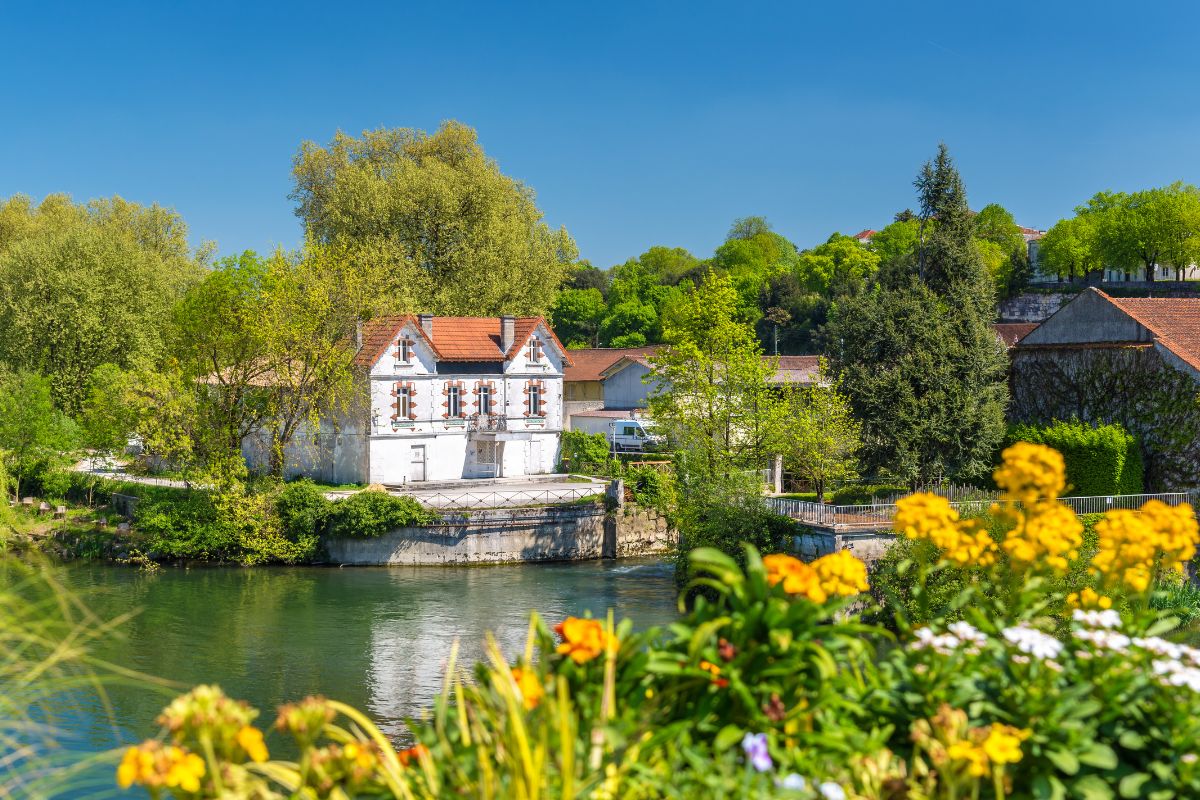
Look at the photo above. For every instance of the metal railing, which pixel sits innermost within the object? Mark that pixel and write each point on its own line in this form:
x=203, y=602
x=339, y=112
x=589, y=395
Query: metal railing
x=456, y=501
x=879, y=515
x=487, y=422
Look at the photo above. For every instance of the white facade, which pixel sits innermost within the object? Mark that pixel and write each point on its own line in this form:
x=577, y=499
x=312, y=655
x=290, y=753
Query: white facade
x=431, y=443
x=427, y=418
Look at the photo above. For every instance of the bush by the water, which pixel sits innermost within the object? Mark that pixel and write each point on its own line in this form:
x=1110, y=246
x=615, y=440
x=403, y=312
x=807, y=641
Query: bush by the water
x=584, y=452
x=1056, y=680
x=374, y=513
x=1101, y=460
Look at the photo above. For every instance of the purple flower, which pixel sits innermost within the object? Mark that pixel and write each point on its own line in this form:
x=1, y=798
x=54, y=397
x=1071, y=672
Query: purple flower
x=755, y=745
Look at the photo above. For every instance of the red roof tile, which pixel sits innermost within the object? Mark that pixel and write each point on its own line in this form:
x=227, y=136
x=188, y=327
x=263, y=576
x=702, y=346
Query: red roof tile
x=589, y=362
x=866, y=233
x=1174, y=321
x=453, y=339
x=797, y=370
x=1012, y=332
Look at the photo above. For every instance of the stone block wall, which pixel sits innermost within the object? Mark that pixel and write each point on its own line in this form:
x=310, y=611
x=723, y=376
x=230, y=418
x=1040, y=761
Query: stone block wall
x=810, y=544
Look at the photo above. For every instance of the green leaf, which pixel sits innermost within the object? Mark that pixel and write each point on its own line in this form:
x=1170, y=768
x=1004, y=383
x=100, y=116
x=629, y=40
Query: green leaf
x=1092, y=787
x=728, y=737
x=1131, y=785
x=1100, y=756
x=1132, y=740
x=1047, y=787
x=1065, y=760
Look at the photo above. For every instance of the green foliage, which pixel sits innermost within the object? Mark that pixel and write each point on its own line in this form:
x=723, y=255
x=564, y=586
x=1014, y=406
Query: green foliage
x=651, y=487
x=839, y=266
x=1101, y=459
x=35, y=438
x=1140, y=230
x=303, y=510
x=1068, y=250
x=727, y=524
x=586, y=452
x=85, y=285
x=820, y=437
x=922, y=369
x=371, y=513
x=433, y=221
x=577, y=315
x=861, y=494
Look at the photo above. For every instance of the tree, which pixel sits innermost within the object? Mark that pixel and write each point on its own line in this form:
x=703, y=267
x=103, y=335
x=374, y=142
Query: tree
x=84, y=285
x=35, y=437
x=1138, y=230
x=821, y=436
x=433, y=220
x=1002, y=247
x=948, y=260
x=106, y=423
x=576, y=316
x=839, y=266
x=1068, y=249
x=919, y=364
x=751, y=256
x=585, y=276
x=1181, y=246
x=896, y=245
x=714, y=402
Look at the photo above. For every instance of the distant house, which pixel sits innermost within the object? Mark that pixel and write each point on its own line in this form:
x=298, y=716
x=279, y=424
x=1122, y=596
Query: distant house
x=864, y=236
x=443, y=398
x=583, y=378
x=1011, y=333
x=1105, y=359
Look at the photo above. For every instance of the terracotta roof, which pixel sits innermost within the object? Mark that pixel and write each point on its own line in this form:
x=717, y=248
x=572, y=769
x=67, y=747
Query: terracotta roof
x=791, y=369
x=1012, y=332
x=797, y=369
x=1174, y=321
x=865, y=233
x=454, y=338
x=589, y=362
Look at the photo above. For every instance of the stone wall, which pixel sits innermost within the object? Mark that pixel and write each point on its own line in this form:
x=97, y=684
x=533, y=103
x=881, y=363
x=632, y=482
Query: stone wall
x=1032, y=307
x=811, y=544
x=554, y=533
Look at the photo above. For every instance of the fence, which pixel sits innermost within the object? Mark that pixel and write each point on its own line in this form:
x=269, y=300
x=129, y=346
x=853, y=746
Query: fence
x=880, y=515
x=514, y=498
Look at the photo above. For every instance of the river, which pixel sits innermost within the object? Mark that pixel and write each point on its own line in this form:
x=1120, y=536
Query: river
x=377, y=638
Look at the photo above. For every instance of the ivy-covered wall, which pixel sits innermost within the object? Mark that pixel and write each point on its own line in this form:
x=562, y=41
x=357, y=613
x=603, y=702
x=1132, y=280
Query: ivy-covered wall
x=1129, y=385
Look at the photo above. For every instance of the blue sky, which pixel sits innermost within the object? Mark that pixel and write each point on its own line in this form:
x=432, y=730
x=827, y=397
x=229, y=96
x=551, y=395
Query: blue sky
x=637, y=124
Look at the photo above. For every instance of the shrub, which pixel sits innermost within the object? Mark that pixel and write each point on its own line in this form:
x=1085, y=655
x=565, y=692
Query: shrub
x=303, y=510
x=1101, y=460
x=373, y=513
x=585, y=452
x=865, y=494
x=651, y=488
x=184, y=526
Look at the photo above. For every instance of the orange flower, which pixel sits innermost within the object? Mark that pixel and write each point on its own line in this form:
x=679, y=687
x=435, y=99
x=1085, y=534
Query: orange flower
x=710, y=668
x=584, y=639
x=414, y=753
x=529, y=687
x=796, y=576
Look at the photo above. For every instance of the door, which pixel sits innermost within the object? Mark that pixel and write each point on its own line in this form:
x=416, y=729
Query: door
x=534, y=466
x=416, y=470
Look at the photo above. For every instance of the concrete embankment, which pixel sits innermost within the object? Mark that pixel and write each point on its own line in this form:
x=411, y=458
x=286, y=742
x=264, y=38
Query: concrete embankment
x=506, y=536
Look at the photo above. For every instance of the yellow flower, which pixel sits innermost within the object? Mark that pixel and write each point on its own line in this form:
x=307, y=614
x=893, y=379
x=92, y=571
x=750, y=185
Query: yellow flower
x=1176, y=529
x=973, y=756
x=250, y=739
x=710, y=668
x=1126, y=549
x=797, y=577
x=154, y=766
x=841, y=574
x=1030, y=473
x=1003, y=743
x=930, y=517
x=529, y=687
x=1088, y=598
x=360, y=755
x=584, y=639
x=1046, y=533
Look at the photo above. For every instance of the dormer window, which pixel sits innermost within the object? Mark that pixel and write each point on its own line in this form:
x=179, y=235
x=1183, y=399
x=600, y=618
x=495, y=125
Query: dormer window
x=535, y=349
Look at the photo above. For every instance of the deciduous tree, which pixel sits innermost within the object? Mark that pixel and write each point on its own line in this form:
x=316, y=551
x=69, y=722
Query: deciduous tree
x=434, y=220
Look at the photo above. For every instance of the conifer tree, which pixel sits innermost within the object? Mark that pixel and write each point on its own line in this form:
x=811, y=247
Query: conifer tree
x=923, y=371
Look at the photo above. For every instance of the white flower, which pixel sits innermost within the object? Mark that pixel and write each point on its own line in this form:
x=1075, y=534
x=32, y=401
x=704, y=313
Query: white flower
x=1106, y=640
x=1188, y=758
x=794, y=782
x=1107, y=618
x=831, y=791
x=1034, y=642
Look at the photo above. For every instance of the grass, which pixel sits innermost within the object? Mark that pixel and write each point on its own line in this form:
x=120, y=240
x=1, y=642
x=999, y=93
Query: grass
x=810, y=497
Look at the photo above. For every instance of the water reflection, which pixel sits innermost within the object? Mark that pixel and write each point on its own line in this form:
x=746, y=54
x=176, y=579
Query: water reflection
x=373, y=637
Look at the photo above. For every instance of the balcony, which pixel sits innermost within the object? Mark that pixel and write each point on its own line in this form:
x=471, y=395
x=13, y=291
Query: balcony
x=487, y=423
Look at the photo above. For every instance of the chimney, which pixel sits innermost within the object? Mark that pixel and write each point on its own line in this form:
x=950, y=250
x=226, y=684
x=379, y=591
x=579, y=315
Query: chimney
x=358, y=342
x=508, y=332
x=426, y=321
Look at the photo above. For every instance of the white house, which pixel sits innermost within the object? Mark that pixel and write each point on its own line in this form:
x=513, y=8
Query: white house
x=444, y=398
